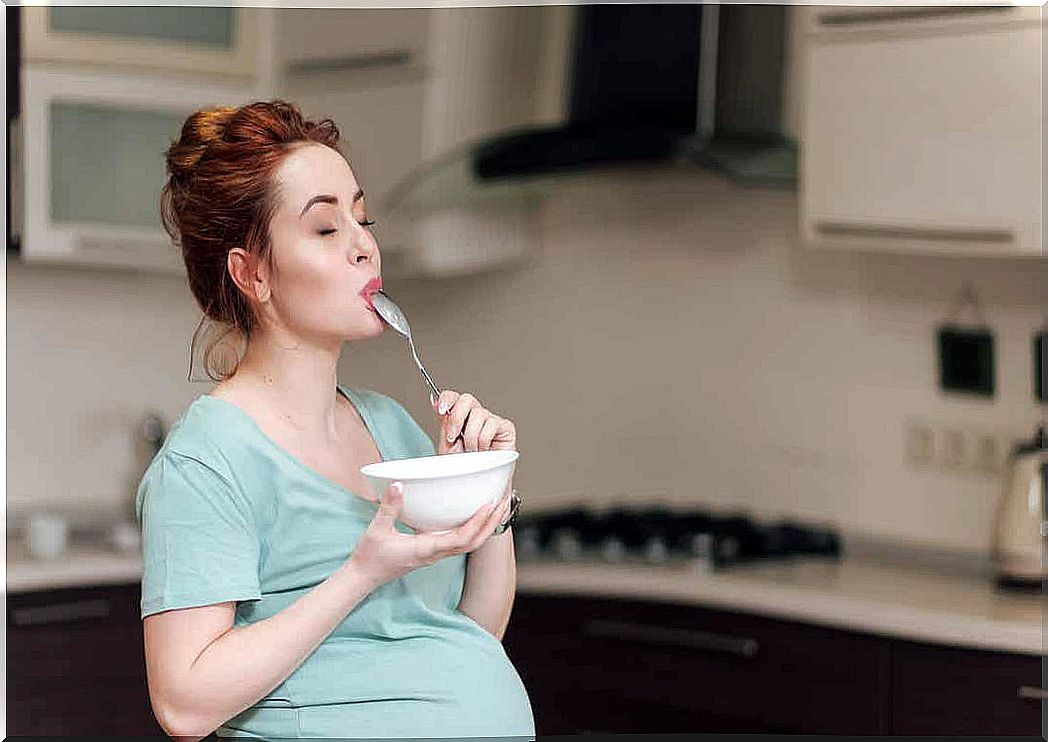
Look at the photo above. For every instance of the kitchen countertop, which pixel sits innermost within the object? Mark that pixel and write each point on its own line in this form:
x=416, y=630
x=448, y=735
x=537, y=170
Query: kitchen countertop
x=902, y=601
x=905, y=602
x=80, y=565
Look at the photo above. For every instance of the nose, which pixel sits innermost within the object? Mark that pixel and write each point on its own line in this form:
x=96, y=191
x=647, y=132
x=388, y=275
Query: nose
x=365, y=249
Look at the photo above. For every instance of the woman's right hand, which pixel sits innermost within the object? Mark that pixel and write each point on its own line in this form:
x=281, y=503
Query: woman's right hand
x=383, y=553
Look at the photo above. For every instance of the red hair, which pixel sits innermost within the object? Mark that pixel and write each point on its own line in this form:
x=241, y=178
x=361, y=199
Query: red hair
x=221, y=193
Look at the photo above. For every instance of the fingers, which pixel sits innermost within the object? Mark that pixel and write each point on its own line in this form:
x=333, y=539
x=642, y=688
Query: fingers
x=389, y=507
x=487, y=433
x=466, y=425
x=478, y=418
x=444, y=401
x=457, y=414
x=469, y=535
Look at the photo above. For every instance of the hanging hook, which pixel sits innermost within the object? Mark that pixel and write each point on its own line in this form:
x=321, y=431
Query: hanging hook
x=967, y=297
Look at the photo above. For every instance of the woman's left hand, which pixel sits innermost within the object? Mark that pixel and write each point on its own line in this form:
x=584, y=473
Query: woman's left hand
x=481, y=430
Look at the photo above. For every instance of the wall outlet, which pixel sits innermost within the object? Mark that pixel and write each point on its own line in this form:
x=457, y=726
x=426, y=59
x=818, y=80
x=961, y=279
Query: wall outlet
x=954, y=448
x=920, y=443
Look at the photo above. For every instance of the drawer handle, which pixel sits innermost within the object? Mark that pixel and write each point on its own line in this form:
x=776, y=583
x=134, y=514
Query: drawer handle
x=905, y=14
x=1033, y=693
x=372, y=60
x=662, y=635
x=42, y=615
x=934, y=234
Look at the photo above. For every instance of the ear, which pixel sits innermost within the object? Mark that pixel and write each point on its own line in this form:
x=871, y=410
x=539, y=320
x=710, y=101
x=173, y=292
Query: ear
x=248, y=273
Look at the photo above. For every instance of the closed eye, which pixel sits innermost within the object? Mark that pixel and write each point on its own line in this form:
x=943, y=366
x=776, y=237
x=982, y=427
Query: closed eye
x=365, y=223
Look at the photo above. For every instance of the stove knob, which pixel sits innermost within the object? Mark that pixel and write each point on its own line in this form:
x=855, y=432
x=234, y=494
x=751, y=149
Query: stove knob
x=566, y=544
x=702, y=544
x=655, y=550
x=613, y=550
x=526, y=541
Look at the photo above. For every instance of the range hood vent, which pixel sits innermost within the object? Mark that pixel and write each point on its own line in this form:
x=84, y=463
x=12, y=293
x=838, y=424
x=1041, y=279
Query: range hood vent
x=648, y=85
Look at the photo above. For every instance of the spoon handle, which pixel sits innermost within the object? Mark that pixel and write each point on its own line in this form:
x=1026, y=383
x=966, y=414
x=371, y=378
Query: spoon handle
x=435, y=392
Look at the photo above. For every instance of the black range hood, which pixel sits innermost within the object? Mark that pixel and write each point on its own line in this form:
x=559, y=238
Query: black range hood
x=652, y=83
x=647, y=85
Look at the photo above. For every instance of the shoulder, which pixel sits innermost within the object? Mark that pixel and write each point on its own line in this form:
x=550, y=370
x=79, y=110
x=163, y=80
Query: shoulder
x=200, y=436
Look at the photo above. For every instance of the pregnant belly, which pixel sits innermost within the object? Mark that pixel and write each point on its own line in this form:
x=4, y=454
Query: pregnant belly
x=436, y=683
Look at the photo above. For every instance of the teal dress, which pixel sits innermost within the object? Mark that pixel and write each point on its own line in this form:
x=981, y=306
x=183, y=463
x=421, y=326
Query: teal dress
x=229, y=515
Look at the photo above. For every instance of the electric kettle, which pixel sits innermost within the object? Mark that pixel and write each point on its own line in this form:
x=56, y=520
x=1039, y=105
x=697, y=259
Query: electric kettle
x=1021, y=526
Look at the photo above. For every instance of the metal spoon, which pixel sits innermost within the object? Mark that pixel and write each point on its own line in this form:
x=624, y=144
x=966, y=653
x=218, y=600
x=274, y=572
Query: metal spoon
x=389, y=311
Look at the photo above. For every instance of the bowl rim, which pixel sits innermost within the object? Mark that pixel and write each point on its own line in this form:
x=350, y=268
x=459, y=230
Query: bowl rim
x=493, y=465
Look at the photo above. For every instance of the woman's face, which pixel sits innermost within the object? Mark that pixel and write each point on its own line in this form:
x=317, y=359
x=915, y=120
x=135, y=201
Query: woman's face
x=323, y=254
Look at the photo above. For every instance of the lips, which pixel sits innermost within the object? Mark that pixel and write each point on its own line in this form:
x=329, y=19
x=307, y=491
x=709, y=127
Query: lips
x=370, y=288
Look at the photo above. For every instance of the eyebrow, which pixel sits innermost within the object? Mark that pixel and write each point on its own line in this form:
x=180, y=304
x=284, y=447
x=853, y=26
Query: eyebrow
x=328, y=199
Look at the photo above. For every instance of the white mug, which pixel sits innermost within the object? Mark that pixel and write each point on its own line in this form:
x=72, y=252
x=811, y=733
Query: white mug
x=124, y=536
x=47, y=535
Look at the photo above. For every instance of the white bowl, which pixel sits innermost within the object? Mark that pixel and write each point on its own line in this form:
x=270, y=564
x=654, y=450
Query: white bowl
x=442, y=492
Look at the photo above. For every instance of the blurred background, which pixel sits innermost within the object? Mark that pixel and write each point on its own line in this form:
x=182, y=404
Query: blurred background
x=762, y=287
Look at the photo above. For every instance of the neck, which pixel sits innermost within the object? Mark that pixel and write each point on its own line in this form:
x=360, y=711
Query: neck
x=294, y=380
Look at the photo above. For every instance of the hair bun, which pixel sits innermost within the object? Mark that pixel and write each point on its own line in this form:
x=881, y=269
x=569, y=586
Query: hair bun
x=202, y=129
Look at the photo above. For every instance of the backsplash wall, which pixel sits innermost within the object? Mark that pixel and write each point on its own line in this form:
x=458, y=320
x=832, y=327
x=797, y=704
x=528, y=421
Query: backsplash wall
x=667, y=341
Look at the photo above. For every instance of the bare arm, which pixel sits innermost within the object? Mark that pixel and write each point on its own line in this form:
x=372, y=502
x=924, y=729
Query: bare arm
x=202, y=671
x=491, y=570
x=491, y=584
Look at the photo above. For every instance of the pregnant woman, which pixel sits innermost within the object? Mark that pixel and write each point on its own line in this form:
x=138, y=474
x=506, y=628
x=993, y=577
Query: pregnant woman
x=279, y=600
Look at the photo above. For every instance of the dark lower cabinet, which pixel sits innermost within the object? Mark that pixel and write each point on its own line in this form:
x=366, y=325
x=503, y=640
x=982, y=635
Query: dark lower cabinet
x=76, y=666
x=941, y=690
x=625, y=666
x=76, y=663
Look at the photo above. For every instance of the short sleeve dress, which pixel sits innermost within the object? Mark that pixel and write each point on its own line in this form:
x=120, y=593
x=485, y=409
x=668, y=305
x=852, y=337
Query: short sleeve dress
x=229, y=515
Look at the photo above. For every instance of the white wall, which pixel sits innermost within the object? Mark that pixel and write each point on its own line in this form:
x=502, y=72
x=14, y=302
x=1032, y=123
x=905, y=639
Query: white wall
x=669, y=340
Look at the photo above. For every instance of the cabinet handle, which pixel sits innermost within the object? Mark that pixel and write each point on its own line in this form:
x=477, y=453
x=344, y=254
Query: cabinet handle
x=662, y=635
x=904, y=14
x=935, y=234
x=351, y=62
x=1033, y=693
x=42, y=615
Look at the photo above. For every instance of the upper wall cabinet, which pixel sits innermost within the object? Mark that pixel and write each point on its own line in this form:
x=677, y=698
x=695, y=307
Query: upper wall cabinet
x=364, y=46
x=212, y=41
x=94, y=164
x=923, y=133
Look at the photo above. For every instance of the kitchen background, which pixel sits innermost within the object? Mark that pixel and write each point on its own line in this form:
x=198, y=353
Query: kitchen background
x=658, y=334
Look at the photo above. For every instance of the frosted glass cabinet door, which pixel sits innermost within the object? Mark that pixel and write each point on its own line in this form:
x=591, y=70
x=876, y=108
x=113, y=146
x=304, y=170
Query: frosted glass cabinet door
x=94, y=163
x=205, y=40
x=107, y=162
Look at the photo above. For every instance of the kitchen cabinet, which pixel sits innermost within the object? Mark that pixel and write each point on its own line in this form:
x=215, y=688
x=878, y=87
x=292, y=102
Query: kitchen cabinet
x=94, y=164
x=210, y=41
x=357, y=45
x=941, y=690
x=923, y=134
x=713, y=671
x=624, y=666
x=76, y=663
